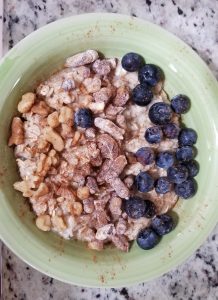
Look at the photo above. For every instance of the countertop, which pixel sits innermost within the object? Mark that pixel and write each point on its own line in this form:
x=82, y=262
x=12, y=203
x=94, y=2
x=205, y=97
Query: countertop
x=195, y=22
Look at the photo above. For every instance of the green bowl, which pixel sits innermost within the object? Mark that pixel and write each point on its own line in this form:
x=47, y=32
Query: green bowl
x=41, y=53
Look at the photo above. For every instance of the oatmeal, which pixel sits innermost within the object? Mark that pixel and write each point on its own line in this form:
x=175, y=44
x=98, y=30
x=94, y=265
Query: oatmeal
x=99, y=150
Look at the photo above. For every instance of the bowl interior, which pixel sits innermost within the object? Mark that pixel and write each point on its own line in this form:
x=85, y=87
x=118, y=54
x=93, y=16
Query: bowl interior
x=41, y=54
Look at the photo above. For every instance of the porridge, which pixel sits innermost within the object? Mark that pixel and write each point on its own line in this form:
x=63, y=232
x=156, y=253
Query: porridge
x=101, y=153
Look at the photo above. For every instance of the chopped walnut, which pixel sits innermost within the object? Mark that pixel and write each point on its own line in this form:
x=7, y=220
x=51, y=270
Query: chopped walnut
x=58, y=223
x=91, y=183
x=66, y=115
x=103, y=95
x=44, y=222
x=112, y=111
x=23, y=187
x=101, y=67
x=54, y=138
x=17, y=132
x=105, y=232
x=121, y=121
x=41, y=109
x=26, y=102
x=115, y=206
x=120, y=188
x=121, y=242
x=81, y=59
x=108, y=146
x=83, y=193
x=109, y=127
x=90, y=133
x=92, y=85
x=121, y=226
x=88, y=205
x=96, y=107
x=122, y=96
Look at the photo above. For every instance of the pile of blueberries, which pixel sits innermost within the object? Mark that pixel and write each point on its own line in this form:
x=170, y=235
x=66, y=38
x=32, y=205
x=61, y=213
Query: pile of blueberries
x=181, y=166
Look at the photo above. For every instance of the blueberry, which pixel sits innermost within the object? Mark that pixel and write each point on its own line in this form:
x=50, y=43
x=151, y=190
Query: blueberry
x=132, y=62
x=135, y=207
x=145, y=156
x=162, y=224
x=193, y=167
x=84, y=118
x=162, y=185
x=150, y=74
x=147, y=239
x=177, y=174
x=180, y=104
x=187, y=137
x=186, y=189
x=150, y=209
x=171, y=130
x=144, y=182
x=160, y=113
x=142, y=95
x=153, y=135
x=165, y=159
x=185, y=153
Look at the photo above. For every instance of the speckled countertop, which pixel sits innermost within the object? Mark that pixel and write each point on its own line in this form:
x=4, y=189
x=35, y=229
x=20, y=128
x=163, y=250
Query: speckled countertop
x=196, y=22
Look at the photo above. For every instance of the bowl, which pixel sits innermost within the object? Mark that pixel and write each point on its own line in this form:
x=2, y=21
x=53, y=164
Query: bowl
x=43, y=52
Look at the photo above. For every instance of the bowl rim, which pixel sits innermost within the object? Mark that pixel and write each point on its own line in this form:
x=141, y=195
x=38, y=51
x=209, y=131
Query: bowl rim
x=18, y=251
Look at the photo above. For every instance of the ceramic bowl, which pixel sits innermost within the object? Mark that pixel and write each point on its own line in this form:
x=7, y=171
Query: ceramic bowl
x=40, y=54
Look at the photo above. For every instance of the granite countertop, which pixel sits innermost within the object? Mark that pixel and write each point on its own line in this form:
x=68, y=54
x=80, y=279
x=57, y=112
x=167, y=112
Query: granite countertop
x=195, y=22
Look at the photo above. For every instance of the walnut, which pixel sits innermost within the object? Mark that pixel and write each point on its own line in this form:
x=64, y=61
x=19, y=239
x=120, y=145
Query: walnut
x=26, y=102
x=92, y=85
x=76, y=138
x=77, y=209
x=105, y=232
x=83, y=193
x=43, y=165
x=121, y=121
x=109, y=127
x=66, y=131
x=120, y=188
x=121, y=242
x=122, y=96
x=103, y=95
x=41, y=191
x=66, y=192
x=17, y=132
x=80, y=73
x=90, y=133
x=44, y=90
x=91, y=183
x=111, y=169
x=88, y=205
x=112, y=111
x=81, y=59
x=96, y=161
x=96, y=107
x=66, y=115
x=41, y=109
x=108, y=146
x=68, y=85
x=101, y=67
x=23, y=187
x=58, y=223
x=54, y=138
x=44, y=222
x=121, y=226
x=115, y=206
